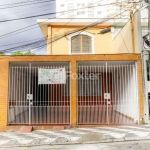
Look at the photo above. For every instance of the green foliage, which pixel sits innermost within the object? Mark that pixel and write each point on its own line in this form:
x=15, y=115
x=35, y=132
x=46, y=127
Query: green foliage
x=18, y=53
x=2, y=53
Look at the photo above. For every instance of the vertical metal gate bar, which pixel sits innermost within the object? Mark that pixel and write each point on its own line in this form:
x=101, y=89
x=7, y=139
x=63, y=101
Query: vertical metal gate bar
x=119, y=99
x=107, y=92
x=82, y=95
x=78, y=100
x=112, y=84
x=136, y=85
x=90, y=114
x=128, y=102
x=88, y=104
x=116, y=119
x=122, y=93
x=79, y=94
x=103, y=102
x=12, y=83
x=51, y=103
x=131, y=94
x=99, y=93
x=126, y=88
x=29, y=93
x=96, y=93
x=85, y=95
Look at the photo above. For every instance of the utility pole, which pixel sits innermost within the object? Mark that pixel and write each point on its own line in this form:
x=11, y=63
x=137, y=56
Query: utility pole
x=149, y=19
x=148, y=2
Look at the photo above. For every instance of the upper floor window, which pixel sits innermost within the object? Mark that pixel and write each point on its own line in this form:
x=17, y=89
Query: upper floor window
x=81, y=44
x=99, y=4
x=62, y=5
x=70, y=6
x=80, y=4
x=90, y=14
x=80, y=12
x=99, y=12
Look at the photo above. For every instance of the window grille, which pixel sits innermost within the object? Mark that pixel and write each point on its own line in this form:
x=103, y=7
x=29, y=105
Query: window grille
x=81, y=44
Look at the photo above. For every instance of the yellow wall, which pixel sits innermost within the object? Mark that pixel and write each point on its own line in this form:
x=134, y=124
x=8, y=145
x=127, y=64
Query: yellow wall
x=102, y=43
x=127, y=41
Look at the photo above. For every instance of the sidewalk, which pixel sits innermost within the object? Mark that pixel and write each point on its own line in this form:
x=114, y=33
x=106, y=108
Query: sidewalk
x=75, y=135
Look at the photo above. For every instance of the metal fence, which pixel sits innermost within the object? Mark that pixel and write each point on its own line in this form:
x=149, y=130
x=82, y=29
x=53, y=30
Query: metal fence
x=50, y=103
x=107, y=94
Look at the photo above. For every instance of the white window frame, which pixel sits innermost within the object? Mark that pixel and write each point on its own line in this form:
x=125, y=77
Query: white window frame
x=83, y=33
x=62, y=5
x=90, y=14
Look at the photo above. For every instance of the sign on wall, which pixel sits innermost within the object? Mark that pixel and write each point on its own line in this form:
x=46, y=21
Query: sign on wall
x=51, y=76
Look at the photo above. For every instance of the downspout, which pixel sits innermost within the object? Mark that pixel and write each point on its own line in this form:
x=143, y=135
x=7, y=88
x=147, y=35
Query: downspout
x=144, y=57
x=132, y=31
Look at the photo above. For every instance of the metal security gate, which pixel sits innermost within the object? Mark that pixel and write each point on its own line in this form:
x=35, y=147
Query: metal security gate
x=107, y=93
x=148, y=87
x=33, y=103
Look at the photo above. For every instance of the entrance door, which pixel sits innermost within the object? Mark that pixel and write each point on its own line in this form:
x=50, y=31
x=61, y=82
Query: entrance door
x=33, y=103
x=107, y=93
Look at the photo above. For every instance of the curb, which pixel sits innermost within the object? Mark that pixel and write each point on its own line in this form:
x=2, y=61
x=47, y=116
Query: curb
x=41, y=142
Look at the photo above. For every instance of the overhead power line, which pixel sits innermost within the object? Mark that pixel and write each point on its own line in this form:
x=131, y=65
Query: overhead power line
x=39, y=44
x=27, y=28
x=29, y=1
x=28, y=17
x=45, y=1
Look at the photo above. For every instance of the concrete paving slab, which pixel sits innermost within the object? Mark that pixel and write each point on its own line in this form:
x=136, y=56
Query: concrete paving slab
x=69, y=136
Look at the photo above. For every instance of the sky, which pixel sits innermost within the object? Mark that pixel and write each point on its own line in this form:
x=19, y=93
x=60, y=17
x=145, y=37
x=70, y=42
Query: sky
x=10, y=12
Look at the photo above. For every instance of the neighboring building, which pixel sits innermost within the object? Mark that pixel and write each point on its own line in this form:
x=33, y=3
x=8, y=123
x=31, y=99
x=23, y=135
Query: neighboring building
x=84, y=8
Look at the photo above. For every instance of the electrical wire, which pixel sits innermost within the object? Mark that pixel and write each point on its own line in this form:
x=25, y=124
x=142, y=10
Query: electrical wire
x=23, y=2
x=15, y=19
x=32, y=10
x=79, y=33
x=27, y=4
x=39, y=43
x=34, y=25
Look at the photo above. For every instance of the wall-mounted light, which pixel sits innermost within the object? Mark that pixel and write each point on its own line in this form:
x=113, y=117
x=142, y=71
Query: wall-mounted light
x=104, y=31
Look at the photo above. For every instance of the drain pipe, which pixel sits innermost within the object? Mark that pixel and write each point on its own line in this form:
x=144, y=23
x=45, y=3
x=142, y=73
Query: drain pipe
x=145, y=57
